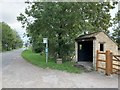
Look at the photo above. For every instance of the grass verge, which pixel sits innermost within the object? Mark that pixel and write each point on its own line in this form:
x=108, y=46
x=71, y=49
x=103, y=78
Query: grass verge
x=39, y=60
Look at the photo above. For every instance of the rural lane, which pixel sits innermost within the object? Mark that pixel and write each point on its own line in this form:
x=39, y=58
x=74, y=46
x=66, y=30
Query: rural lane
x=18, y=73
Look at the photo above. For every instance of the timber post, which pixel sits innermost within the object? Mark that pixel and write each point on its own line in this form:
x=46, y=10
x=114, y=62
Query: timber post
x=97, y=60
x=108, y=63
x=111, y=57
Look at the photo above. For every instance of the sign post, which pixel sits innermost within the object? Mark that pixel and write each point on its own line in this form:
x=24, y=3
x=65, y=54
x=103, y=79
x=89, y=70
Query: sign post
x=45, y=40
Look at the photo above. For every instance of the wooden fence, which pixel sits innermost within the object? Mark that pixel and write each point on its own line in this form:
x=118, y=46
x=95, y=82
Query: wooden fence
x=112, y=62
x=116, y=64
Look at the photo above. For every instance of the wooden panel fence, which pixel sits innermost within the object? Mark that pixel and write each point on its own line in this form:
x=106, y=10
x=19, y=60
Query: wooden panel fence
x=112, y=62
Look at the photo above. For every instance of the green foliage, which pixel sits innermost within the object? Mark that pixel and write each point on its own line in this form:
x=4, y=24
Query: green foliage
x=10, y=38
x=62, y=22
x=0, y=37
x=39, y=60
x=0, y=46
x=116, y=25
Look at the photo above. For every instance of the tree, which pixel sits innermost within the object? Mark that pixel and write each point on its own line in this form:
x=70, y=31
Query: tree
x=10, y=38
x=116, y=25
x=61, y=23
x=0, y=37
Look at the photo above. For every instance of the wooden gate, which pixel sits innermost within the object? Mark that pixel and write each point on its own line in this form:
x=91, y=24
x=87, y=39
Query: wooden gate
x=112, y=62
x=115, y=64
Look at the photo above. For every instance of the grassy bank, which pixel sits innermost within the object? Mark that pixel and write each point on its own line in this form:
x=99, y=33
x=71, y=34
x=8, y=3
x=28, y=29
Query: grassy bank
x=39, y=60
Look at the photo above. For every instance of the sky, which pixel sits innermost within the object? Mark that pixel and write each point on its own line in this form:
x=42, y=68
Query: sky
x=10, y=9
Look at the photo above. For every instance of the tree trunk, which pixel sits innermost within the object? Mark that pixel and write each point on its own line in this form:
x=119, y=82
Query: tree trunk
x=59, y=44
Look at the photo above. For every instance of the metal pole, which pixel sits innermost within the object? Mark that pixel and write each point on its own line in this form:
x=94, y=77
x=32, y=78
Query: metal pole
x=46, y=52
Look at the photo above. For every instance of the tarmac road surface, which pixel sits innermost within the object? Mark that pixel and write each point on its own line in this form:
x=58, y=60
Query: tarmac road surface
x=18, y=73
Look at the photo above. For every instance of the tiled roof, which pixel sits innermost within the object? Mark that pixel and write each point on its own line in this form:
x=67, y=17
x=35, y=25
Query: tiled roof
x=91, y=35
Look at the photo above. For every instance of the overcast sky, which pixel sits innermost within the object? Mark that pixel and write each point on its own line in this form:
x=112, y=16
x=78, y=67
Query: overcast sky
x=10, y=9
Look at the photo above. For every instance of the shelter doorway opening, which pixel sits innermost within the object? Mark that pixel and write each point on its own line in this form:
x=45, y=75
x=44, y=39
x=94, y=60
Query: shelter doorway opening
x=85, y=51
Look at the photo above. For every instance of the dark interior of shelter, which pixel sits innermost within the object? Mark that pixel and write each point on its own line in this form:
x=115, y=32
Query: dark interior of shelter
x=85, y=51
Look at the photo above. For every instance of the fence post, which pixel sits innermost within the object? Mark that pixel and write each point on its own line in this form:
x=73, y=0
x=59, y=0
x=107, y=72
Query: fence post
x=108, y=63
x=97, y=60
x=111, y=61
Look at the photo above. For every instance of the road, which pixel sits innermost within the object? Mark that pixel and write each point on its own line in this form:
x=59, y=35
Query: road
x=18, y=73
x=0, y=71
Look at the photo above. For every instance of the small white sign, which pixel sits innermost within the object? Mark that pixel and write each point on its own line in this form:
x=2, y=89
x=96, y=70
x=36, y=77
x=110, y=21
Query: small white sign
x=45, y=40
